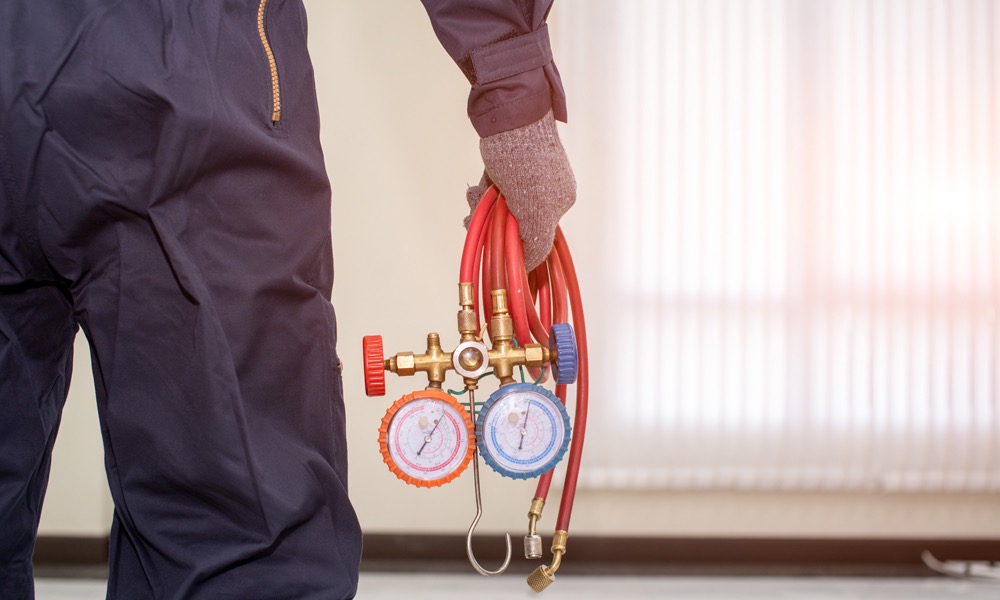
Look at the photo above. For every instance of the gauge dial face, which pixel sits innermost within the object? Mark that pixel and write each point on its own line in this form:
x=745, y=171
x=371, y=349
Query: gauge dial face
x=426, y=438
x=523, y=431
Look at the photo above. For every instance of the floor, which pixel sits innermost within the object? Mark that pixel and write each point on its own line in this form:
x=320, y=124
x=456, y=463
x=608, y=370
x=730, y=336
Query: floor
x=385, y=586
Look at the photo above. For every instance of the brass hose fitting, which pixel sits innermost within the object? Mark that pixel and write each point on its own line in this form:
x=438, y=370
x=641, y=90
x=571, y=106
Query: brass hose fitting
x=502, y=334
x=543, y=576
x=467, y=322
x=435, y=362
x=533, y=541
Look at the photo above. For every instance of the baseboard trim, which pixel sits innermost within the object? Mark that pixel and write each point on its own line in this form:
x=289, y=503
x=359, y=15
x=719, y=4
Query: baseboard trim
x=737, y=556
x=610, y=555
x=71, y=550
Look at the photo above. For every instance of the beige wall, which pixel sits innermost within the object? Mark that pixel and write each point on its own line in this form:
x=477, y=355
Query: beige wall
x=399, y=151
x=78, y=501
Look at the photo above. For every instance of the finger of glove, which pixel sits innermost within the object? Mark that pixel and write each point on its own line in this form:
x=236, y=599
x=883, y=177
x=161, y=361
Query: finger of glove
x=474, y=194
x=540, y=246
x=530, y=167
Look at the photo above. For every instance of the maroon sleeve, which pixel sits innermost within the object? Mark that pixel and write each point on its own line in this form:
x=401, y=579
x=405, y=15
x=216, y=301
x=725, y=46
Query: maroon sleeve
x=502, y=47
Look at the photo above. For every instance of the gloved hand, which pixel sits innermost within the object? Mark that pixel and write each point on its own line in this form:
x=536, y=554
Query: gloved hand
x=530, y=168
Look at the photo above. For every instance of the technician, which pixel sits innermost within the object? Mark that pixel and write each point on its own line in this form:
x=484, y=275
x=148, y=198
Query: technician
x=163, y=188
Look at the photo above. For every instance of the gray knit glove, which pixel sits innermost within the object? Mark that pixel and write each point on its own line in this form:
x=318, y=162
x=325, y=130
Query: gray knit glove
x=530, y=168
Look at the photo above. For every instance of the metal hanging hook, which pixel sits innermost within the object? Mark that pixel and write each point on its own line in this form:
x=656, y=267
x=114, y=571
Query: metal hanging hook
x=479, y=509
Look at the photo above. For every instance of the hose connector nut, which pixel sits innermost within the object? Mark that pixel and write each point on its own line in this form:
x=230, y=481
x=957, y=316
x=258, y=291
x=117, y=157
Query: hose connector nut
x=533, y=546
x=540, y=579
x=534, y=355
x=404, y=364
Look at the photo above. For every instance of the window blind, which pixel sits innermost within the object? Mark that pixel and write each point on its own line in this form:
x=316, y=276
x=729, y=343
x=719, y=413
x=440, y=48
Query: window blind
x=800, y=211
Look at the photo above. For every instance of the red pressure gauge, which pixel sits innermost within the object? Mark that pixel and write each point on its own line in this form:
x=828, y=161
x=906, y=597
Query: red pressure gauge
x=426, y=438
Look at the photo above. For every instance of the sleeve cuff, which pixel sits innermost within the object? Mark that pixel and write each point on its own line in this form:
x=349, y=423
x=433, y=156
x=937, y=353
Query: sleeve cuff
x=514, y=83
x=511, y=57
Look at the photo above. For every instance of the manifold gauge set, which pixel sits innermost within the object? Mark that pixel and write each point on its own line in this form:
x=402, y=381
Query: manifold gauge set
x=521, y=334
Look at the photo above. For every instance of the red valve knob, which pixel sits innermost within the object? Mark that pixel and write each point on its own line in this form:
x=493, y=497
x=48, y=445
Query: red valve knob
x=374, y=365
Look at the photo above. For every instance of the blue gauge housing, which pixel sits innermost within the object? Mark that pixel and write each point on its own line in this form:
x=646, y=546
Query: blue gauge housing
x=490, y=441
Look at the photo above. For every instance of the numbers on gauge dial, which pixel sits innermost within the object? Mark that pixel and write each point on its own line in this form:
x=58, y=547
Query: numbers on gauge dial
x=522, y=431
x=426, y=438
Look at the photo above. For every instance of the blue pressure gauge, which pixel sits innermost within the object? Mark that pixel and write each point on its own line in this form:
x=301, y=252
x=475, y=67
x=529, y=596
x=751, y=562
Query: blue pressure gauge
x=522, y=430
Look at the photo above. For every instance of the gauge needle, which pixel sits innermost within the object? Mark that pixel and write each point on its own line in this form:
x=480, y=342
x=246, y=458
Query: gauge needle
x=524, y=429
x=427, y=438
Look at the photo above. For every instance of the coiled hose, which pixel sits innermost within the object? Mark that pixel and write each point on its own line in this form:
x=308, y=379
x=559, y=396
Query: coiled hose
x=493, y=258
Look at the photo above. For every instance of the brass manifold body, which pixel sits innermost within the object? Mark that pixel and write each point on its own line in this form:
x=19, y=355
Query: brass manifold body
x=471, y=358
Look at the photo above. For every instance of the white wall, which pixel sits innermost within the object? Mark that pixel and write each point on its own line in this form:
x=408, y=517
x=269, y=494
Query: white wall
x=400, y=151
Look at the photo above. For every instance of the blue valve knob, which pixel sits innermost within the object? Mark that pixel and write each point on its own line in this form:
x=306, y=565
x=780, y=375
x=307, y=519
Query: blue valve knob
x=563, y=341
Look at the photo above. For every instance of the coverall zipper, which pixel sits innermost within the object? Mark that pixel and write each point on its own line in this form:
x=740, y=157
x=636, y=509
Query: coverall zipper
x=275, y=88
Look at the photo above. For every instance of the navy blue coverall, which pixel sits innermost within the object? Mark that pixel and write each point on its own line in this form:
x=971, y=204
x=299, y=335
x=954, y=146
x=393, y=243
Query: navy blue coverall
x=163, y=188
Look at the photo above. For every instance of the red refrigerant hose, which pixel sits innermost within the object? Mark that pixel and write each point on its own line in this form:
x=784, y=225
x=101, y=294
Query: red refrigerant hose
x=493, y=258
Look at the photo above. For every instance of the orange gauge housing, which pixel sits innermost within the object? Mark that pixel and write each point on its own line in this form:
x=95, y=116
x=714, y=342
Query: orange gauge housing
x=426, y=438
